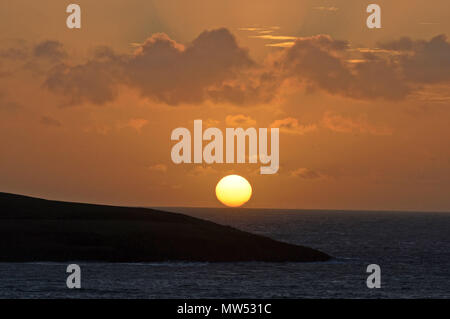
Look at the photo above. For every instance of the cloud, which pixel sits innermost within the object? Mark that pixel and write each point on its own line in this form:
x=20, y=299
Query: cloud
x=291, y=126
x=37, y=58
x=423, y=61
x=377, y=78
x=13, y=53
x=391, y=72
x=248, y=88
x=203, y=171
x=95, y=81
x=437, y=93
x=51, y=50
x=213, y=67
x=136, y=124
x=239, y=120
x=342, y=124
x=274, y=37
x=211, y=123
x=305, y=173
x=327, y=9
x=281, y=41
x=162, y=168
x=160, y=69
x=183, y=74
x=15, y=49
x=49, y=121
x=260, y=29
x=321, y=62
x=286, y=44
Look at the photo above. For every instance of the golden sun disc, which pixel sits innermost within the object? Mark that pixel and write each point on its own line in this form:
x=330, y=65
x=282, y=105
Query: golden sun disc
x=233, y=190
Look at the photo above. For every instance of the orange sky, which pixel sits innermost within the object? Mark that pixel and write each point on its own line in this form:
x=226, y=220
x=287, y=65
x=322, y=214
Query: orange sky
x=86, y=115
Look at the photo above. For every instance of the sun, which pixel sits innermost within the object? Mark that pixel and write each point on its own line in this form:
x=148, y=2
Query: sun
x=233, y=190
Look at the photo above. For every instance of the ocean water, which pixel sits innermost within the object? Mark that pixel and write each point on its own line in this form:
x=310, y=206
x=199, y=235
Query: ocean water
x=412, y=249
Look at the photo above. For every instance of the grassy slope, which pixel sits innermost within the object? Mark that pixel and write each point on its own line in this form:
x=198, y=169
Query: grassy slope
x=40, y=230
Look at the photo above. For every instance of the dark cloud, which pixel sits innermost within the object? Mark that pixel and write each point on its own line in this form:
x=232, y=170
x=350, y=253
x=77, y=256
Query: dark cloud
x=172, y=73
x=19, y=55
x=94, y=81
x=423, y=61
x=15, y=49
x=214, y=67
x=13, y=53
x=161, y=69
x=257, y=87
x=402, y=44
x=378, y=78
x=322, y=62
x=50, y=50
x=315, y=59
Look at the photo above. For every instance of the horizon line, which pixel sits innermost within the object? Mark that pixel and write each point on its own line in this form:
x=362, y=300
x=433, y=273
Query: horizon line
x=163, y=207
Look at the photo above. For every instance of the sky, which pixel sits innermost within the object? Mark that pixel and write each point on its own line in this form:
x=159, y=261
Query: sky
x=86, y=115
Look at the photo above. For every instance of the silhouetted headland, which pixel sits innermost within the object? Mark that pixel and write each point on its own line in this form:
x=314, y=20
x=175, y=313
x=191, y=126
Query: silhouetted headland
x=41, y=230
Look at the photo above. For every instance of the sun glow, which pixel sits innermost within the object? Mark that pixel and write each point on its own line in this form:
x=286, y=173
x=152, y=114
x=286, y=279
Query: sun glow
x=233, y=191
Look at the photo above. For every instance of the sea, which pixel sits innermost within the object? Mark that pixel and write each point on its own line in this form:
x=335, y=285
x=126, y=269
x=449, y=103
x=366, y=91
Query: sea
x=412, y=250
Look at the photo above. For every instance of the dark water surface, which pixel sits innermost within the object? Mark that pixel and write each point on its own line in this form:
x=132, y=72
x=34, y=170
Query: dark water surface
x=412, y=249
